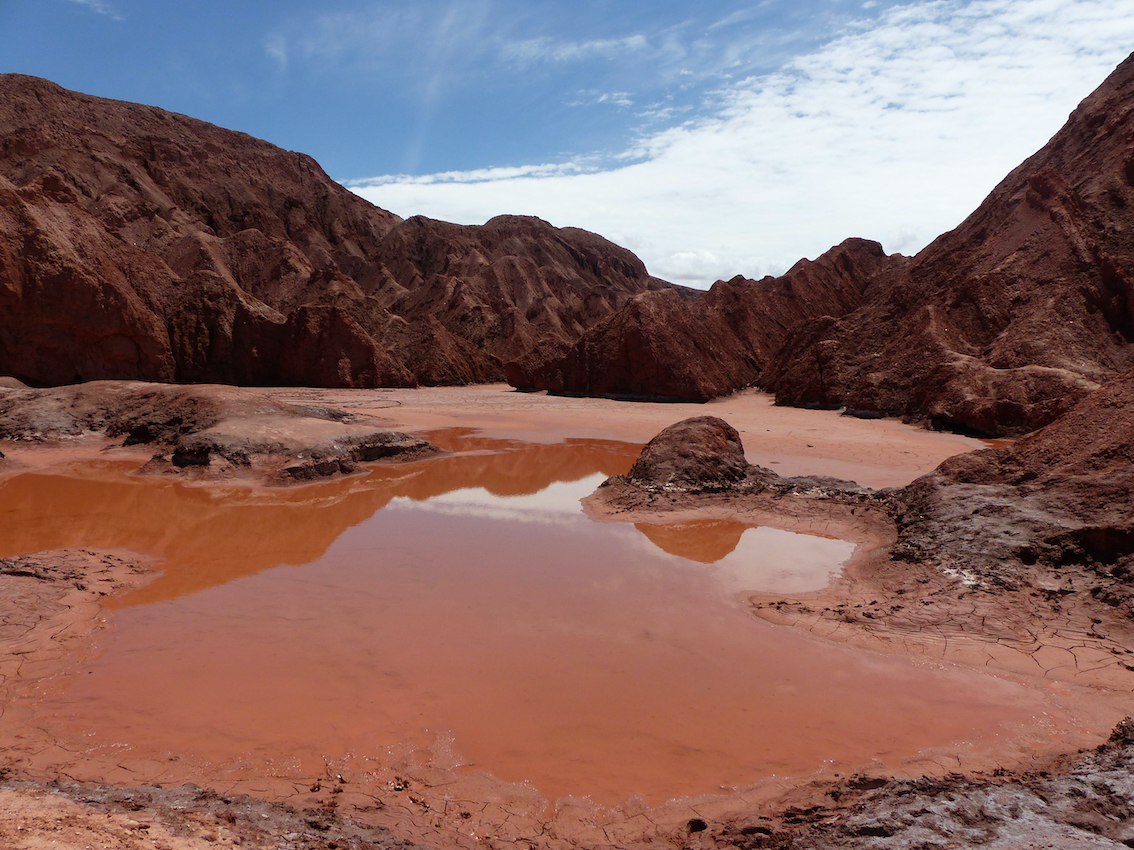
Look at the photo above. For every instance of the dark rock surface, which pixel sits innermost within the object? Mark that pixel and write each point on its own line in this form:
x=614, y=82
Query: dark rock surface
x=702, y=454
x=1083, y=801
x=1003, y=324
x=1054, y=511
x=661, y=345
x=206, y=430
x=139, y=244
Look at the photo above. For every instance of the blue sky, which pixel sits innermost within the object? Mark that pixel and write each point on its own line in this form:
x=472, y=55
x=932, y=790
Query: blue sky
x=713, y=138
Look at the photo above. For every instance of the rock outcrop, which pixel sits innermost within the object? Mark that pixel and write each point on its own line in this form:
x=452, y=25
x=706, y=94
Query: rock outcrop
x=1053, y=510
x=661, y=345
x=1003, y=324
x=142, y=245
x=703, y=457
x=206, y=431
x=699, y=454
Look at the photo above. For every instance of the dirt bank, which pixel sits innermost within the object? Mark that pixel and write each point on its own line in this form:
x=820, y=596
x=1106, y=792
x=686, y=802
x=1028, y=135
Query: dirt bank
x=875, y=453
x=68, y=815
x=199, y=432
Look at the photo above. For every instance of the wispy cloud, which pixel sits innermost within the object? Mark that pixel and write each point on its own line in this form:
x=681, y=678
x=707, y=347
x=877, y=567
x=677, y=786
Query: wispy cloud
x=386, y=34
x=276, y=47
x=597, y=98
x=101, y=8
x=495, y=37
x=554, y=50
x=894, y=130
x=481, y=175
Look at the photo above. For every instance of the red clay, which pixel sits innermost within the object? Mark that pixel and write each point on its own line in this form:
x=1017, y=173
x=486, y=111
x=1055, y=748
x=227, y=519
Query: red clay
x=295, y=629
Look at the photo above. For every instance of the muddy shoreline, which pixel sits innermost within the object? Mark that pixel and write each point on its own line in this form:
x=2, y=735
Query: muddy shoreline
x=54, y=613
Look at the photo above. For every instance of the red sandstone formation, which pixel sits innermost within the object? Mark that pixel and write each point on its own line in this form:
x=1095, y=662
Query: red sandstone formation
x=997, y=327
x=140, y=244
x=660, y=345
x=1004, y=323
x=701, y=454
x=1056, y=502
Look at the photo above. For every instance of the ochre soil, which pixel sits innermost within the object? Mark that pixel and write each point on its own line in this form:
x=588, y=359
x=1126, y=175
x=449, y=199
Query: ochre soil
x=52, y=607
x=788, y=440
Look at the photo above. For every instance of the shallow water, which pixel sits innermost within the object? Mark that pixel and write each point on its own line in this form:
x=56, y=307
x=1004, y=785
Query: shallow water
x=465, y=609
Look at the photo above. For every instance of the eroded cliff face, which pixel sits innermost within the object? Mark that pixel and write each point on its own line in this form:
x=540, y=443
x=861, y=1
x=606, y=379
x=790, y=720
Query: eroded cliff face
x=1054, y=506
x=1006, y=322
x=666, y=346
x=140, y=244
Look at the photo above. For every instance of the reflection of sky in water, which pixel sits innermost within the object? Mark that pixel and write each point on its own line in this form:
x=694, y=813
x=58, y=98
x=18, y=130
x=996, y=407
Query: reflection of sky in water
x=555, y=503
x=777, y=561
x=764, y=559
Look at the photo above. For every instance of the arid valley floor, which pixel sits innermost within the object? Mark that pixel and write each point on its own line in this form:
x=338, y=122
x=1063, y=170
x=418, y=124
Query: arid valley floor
x=961, y=714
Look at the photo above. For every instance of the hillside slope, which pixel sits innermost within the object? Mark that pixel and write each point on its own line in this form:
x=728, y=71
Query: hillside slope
x=140, y=244
x=997, y=327
x=663, y=346
x=1004, y=323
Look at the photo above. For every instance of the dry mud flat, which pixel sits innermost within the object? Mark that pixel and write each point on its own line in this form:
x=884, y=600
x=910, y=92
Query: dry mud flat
x=52, y=612
x=200, y=432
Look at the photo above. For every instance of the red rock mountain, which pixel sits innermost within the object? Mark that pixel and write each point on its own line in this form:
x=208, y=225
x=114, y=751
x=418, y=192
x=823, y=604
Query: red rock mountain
x=665, y=346
x=1004, y=323
x=997, y=327
x=140, y=244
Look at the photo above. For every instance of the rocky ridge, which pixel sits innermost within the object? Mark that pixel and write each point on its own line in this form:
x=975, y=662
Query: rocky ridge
x=1004, y=323
x=996, y=328
x=138, y=244
x=1052, y=511
x=661, y=345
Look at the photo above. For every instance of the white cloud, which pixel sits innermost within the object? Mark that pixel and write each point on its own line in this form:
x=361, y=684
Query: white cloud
x=555, y=50
x=102, y=8
x=480, y=175
x=276, y=47
x=894, y=131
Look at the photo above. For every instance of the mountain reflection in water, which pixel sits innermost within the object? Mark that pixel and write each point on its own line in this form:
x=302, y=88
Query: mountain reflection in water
x=207, y=536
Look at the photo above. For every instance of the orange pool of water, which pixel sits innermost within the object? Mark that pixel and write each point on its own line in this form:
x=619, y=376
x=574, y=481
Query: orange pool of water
x=468, y=600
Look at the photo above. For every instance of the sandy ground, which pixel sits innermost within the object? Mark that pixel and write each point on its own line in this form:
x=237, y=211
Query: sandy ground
x=52, y=614
x=875, y=453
